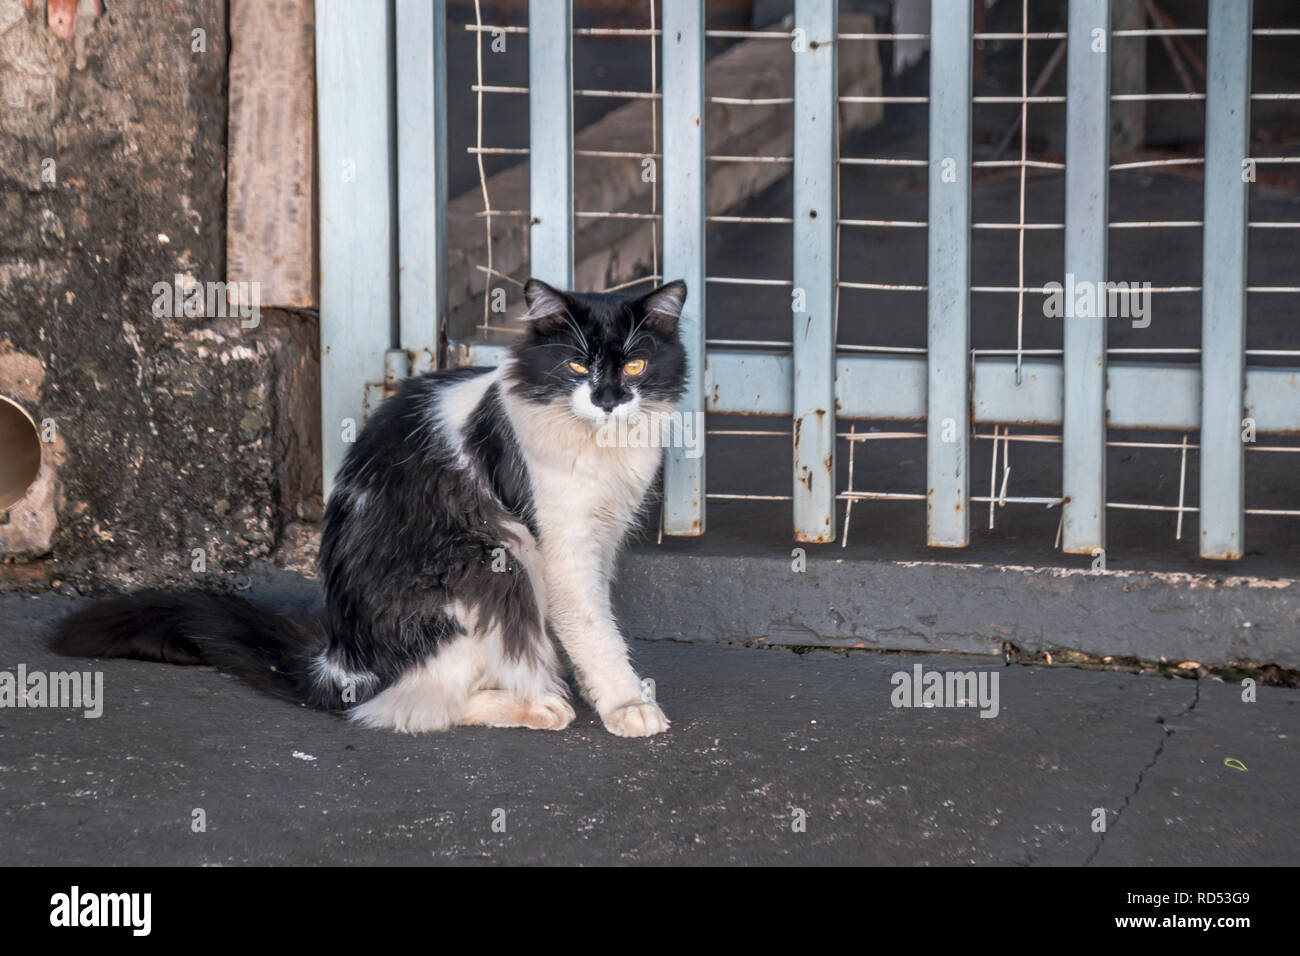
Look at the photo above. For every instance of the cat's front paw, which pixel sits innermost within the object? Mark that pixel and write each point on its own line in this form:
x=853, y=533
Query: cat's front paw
x=638, y=719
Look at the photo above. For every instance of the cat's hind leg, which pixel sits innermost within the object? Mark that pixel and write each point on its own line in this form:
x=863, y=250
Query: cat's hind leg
x=430, y=695
x=522, y=685
x=500, y=669
x=474, y=679
x=499, y=708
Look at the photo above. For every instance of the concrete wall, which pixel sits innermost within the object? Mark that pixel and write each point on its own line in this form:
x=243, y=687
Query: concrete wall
x=164, y=433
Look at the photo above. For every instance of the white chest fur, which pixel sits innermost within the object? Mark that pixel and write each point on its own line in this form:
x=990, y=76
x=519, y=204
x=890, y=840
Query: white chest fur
x=580, y=488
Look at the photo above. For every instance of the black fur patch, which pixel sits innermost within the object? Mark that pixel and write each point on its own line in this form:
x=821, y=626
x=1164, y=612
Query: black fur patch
x=407, y=532
x=491, y=442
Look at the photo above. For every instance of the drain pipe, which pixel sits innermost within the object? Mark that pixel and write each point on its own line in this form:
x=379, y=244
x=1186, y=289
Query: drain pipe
x=20, y=453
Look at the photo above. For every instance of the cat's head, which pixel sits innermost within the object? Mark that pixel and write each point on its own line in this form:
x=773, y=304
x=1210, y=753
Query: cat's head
x=601, y=357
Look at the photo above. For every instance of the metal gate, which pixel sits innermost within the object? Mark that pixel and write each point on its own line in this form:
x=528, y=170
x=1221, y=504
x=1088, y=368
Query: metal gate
x=383, y=198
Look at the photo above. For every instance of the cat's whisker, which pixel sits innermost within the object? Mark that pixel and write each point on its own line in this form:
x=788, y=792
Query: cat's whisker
x=573, y=323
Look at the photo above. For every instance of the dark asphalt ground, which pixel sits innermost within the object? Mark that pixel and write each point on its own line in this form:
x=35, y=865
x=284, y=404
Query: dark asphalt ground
x=756, y=735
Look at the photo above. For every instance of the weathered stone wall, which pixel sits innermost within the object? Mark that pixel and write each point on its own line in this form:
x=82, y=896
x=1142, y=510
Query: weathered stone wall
x=168, y=432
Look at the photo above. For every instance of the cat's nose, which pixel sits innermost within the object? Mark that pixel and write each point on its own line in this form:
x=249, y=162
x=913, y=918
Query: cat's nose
x=607, y=398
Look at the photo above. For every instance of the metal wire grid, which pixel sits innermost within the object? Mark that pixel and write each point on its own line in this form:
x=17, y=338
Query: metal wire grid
x=1001, y=436
x=652, y=34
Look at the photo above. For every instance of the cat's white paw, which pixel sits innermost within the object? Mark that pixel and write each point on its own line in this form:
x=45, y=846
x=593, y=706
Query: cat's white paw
x=550, y=713
x=639, y=719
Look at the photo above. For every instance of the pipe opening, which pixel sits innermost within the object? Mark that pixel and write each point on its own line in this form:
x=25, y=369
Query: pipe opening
x=20, y=453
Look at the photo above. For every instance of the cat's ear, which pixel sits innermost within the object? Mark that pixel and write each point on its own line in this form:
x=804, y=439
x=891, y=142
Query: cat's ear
x=548, y=309
x=663, y=307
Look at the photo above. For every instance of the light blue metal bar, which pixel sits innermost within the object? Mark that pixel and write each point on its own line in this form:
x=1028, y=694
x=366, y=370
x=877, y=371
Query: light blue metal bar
x=354, y=63
x=550, y=140
x=684, y=245
x=1223, y=296
x=1138, y=394
x=1273, y=399
x=1087, y=158
x=815, y=154
x=421, y=37
x=947, y=462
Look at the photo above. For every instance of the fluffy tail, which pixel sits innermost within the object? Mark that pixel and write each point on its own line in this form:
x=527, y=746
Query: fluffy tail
x=267, y=649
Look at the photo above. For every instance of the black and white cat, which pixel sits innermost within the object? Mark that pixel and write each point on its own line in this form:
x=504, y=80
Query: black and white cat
x=477, y=508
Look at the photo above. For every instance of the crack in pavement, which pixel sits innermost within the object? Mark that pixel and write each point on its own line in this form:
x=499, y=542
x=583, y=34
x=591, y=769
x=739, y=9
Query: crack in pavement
x=1155, y=758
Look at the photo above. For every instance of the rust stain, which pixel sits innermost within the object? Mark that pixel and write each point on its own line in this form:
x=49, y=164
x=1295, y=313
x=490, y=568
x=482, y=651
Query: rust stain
x=812, y=539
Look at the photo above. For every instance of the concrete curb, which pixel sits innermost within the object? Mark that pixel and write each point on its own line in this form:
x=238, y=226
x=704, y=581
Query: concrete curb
x=964, y=608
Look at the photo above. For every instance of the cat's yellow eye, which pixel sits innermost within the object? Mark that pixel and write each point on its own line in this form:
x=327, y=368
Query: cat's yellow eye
x=578, y=368
x=634, y=367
